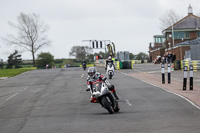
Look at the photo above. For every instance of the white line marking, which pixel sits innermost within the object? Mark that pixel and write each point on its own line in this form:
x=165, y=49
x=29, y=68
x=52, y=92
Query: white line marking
x=127, y=102
x=124, y=73
x=25, y=88
x=192, y=103
x=158, y=71
x=11, y=96
x=82, y=75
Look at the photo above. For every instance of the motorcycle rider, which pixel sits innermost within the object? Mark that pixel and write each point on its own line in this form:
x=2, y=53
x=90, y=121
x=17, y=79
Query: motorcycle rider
x=108, y=61
x=83, y=62
x=94, y=77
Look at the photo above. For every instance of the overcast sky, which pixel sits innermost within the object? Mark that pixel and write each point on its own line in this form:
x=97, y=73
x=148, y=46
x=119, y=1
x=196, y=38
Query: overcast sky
x=130, y=24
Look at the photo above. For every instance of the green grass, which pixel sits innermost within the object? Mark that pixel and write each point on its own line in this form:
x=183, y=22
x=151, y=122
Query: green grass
x=13, y=72
x=26, y=66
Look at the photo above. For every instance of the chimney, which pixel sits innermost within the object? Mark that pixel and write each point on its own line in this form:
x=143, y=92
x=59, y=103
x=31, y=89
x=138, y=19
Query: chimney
x=150, y=47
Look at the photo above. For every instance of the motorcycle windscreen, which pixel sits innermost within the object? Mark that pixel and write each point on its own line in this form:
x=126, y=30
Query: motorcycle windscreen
x=97, y=87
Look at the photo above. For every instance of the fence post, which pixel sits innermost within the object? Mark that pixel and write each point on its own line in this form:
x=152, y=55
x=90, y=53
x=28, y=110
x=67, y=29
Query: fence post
x=191, y=77
x=163, y=73
x=185, y=78
x=169, y=73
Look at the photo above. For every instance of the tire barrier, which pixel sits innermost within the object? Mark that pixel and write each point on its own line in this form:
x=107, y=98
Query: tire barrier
x=117, y=65
x=194, y=63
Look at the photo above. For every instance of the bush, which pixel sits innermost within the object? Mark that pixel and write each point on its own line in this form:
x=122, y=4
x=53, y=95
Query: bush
x=45, y=58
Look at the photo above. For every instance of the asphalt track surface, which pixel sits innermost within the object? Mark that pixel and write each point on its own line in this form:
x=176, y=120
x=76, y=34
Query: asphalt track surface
x=55, y=101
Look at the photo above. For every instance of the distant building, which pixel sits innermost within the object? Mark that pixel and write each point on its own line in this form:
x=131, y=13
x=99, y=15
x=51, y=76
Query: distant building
x=158, y=48
x=181, y=32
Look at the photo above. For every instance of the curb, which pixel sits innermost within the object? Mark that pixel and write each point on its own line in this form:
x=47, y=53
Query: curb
x=3, y=78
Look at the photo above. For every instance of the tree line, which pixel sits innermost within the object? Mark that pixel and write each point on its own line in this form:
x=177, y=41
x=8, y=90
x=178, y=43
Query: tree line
x=32, y=36
x=85, y=53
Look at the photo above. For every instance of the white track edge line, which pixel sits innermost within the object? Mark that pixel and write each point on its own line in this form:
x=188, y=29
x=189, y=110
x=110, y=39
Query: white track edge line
x=192, y=103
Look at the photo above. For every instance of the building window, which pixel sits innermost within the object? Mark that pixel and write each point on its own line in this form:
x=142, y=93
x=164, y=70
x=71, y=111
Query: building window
x=178, y=35
x=187, y=35
x=198, y=34
x=159, y=40
x=181, y=35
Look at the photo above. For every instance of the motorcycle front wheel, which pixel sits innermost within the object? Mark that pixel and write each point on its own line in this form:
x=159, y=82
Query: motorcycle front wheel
x=117, y=108
x=107, y=105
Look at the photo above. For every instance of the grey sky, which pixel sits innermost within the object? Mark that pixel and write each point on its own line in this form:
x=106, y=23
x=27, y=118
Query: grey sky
x=130, y=24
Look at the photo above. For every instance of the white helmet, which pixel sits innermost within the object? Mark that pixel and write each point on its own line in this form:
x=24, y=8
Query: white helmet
x=109, y=57
x=92, y=72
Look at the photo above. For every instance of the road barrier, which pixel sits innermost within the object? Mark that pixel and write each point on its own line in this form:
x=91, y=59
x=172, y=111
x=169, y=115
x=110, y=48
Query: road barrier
x=185, y=78
x=169, y=73
x=88, y=65
x=117, y=65
x=177, y=65
x=194, y=63
x=138, y=61
x=191, y=77
x=163, y=73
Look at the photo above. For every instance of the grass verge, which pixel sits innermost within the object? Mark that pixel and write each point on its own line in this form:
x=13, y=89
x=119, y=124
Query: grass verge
x=14, y=72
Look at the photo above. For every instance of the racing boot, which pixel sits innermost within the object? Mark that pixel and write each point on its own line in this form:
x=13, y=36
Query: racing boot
x=115, y=94
x=112, y=88
x=93, y=100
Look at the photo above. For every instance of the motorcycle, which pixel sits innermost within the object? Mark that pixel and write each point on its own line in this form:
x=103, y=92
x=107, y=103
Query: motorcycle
x=110, y=70
x=84, y=66
x=105, y=97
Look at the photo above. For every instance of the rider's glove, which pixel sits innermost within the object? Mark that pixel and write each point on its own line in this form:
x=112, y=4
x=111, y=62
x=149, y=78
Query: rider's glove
x=104, y=79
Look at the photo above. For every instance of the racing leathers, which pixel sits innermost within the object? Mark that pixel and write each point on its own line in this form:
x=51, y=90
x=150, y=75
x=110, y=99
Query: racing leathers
x=109, y=62
x=83, y=62
x=98, y=77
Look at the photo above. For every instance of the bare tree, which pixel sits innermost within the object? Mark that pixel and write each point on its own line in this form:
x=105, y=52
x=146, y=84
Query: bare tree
x=80, y=52
x=31, y=34
x=168, y=18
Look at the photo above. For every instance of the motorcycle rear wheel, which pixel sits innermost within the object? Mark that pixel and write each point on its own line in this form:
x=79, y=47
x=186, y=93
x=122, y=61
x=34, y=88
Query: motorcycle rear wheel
x=107, y=105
